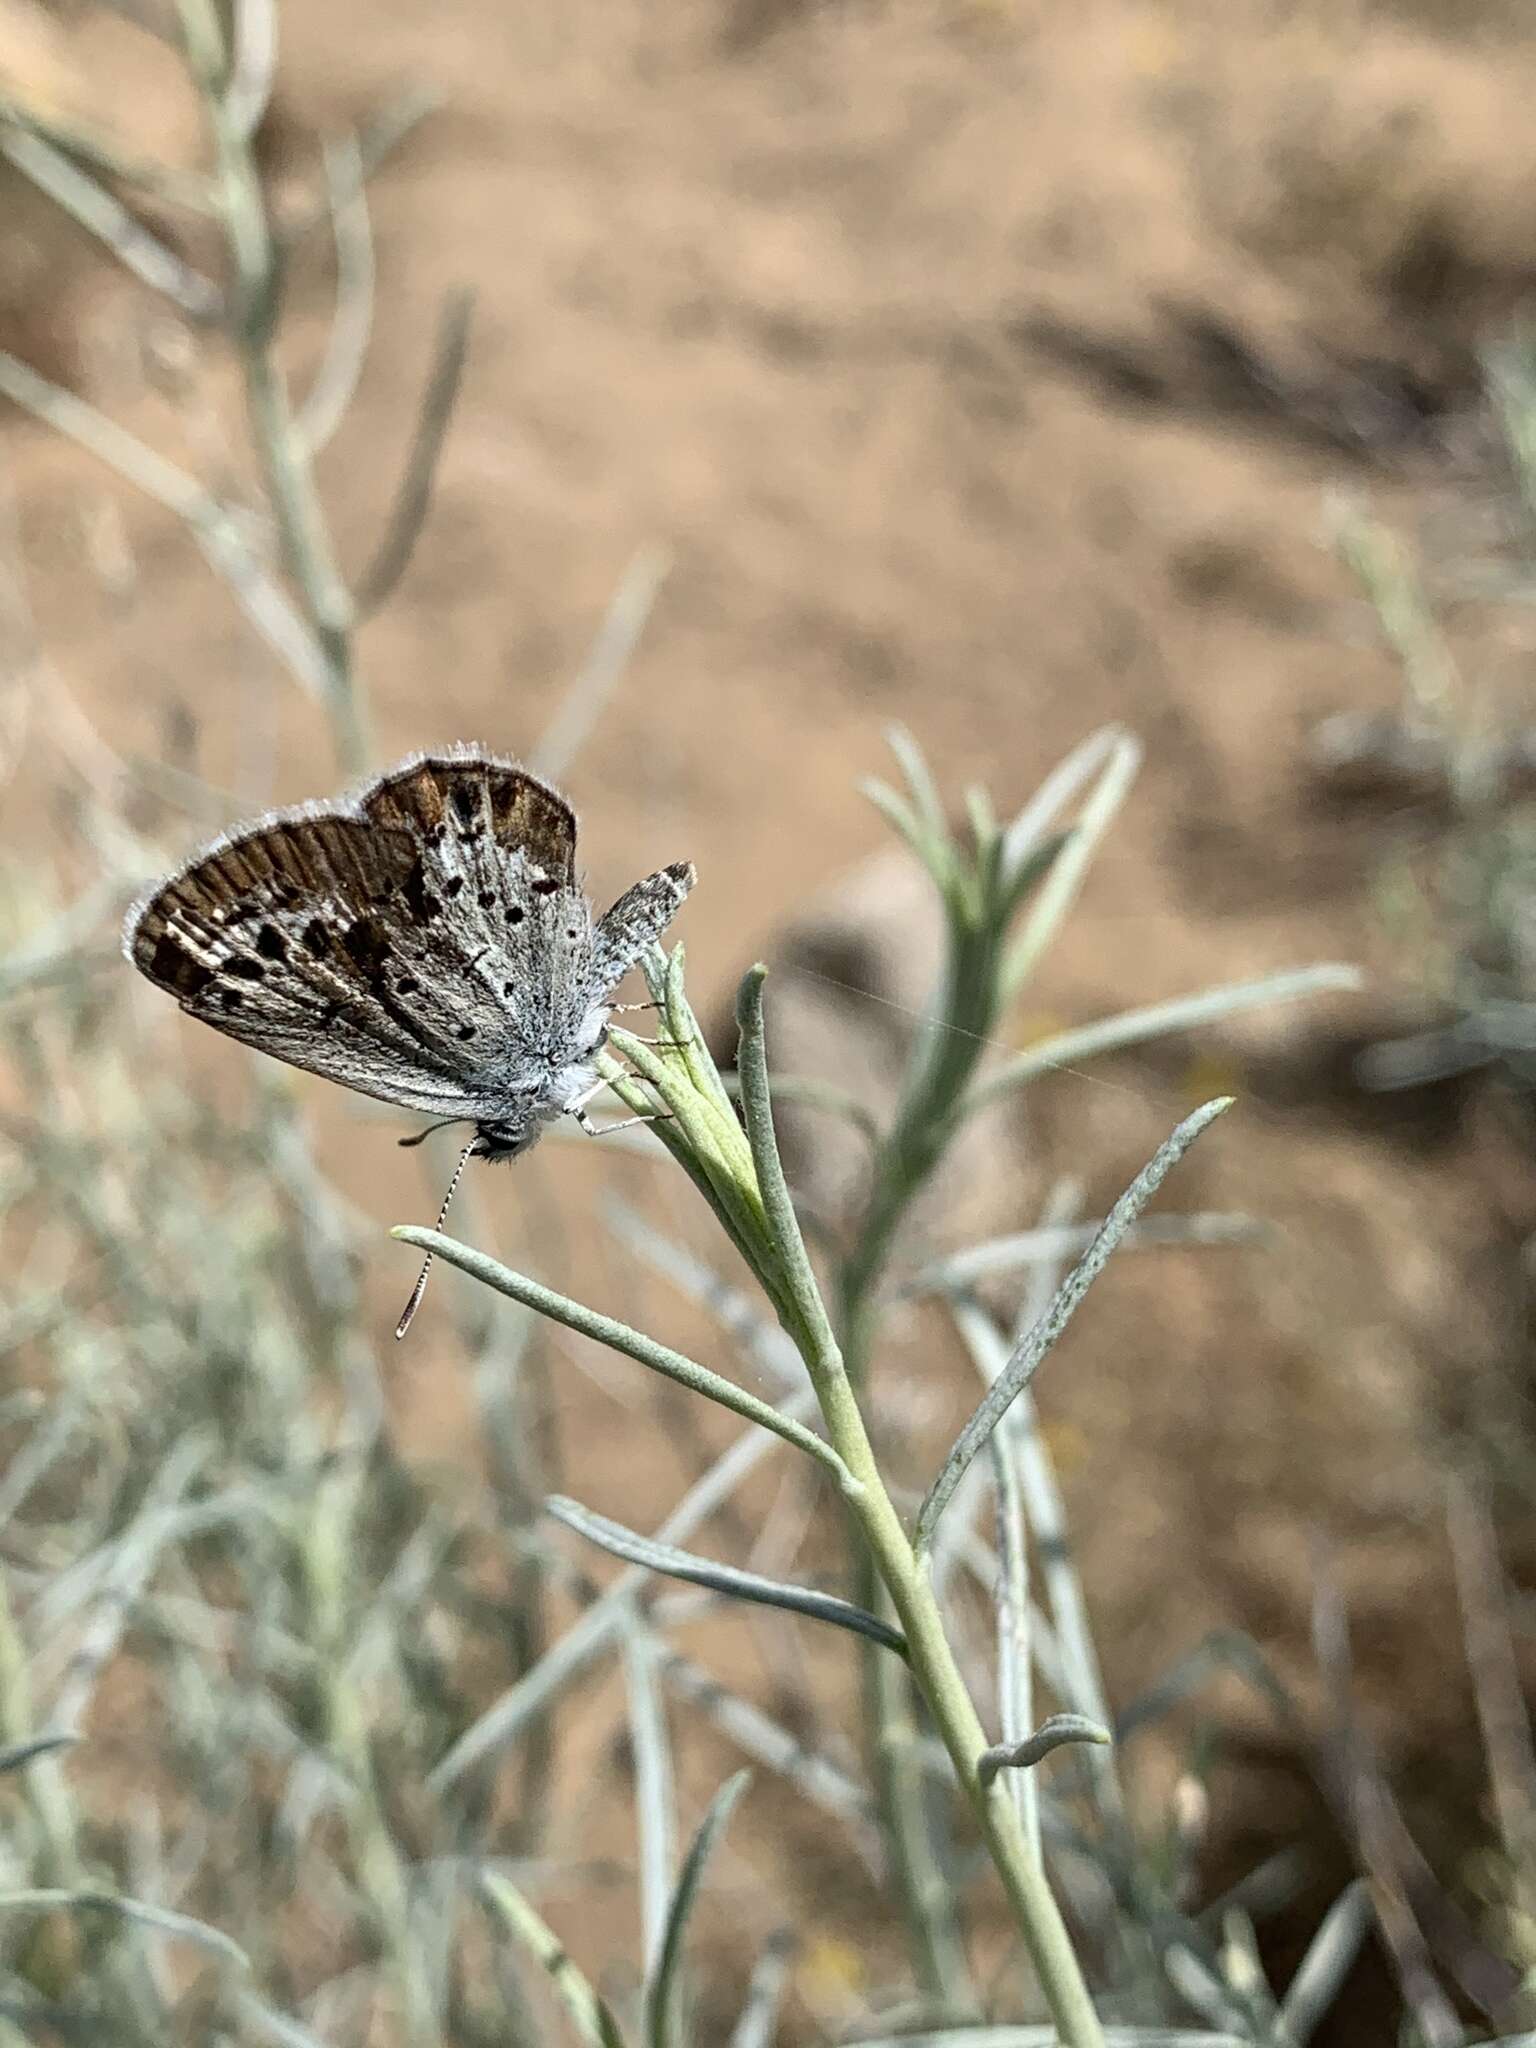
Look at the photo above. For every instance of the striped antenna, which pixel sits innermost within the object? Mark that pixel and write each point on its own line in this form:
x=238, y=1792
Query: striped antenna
x=421, y=1279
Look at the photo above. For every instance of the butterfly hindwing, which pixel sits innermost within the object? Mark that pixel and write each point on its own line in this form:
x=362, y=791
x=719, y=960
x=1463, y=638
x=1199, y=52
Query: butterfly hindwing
x=636, y=922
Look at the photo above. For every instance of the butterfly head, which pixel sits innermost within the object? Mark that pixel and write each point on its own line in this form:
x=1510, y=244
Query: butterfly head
x=520, y=1119
x=515, y=1129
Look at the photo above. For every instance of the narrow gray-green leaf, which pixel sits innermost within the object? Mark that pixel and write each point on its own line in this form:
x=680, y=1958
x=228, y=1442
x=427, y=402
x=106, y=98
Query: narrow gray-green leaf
x=588, y=1637
x=900, y=815
x=1222, y=1650
x=662, y=1993
x=757, y=2027
x=1028, y=827
x=594, y=2024
x=1055, y=899
x=1047, y=2037
x=273, y=2025
x=1051, y=1734
x=1328, y=1961
x=655, y=1792
x=159, y=1919
x=17, y=1754
x=823, y=1357
x=720, y=1578
x=1036, y=1342
x=959, y=1271
x=927, y=804
x=1159, y=1020
x=559, y=1308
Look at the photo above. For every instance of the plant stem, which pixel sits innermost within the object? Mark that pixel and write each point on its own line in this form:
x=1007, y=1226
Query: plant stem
x=906, y=1581
x=254, y=297
x=939, y=1078
x=943, y=1688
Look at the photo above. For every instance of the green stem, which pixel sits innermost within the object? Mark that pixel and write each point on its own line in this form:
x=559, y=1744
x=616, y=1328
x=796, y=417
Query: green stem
x=940, y=1076
x=300, y=520
x=932, y=1661
x=943, y=1688
x=927, y=1896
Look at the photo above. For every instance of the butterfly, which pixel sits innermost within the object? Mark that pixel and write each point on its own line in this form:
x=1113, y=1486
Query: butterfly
x=423, y=940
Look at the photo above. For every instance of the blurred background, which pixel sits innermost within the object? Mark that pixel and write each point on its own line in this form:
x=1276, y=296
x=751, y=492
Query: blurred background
x=999, y=370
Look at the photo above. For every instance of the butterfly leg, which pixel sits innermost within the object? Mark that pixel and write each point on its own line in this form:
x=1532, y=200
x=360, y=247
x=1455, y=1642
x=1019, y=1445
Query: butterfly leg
x=659, y=1116
x=578, y=1109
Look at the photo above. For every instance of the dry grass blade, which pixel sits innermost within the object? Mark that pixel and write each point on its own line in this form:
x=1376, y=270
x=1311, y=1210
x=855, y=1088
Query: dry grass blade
x=336, y=380
x=1047, y=2037
x=610, y=655
x=408, y=514
x=212, y=525
x=157, y=1919
x=770, y=1979
x=15, y=1755
x=591, y=2021
x=1328, y=1961
x=600, y=1625
x=52, y=171
x=663, y=1997
x=1158, y=1020
x=1501, y=1710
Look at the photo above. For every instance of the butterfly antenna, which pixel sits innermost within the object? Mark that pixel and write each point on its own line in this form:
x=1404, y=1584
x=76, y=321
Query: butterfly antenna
x=421, y=1279
x=421, y=1137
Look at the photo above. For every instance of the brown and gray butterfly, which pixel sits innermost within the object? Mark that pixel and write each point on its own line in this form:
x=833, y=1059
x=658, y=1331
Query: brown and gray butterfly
x=424, y=941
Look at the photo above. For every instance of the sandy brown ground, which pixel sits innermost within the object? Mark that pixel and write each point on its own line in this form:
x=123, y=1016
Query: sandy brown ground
x=985, y=367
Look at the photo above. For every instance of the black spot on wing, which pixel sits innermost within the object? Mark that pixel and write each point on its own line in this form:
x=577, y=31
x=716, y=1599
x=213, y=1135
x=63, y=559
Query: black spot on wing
x=367, y=946
x=419, y=901
x=176, y=968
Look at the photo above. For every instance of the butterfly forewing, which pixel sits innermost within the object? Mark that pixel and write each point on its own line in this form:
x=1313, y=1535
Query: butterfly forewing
x=423, y=941
x=472, y=800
